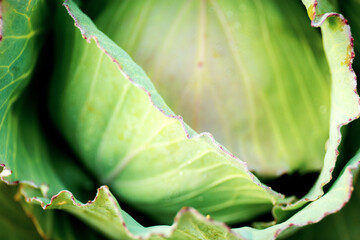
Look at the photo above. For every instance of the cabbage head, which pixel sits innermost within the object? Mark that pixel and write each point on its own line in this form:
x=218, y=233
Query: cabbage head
x=179, y=119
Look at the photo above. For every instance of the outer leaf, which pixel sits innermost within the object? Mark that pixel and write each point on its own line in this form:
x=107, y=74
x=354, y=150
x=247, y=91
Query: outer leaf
x=20, y=46
x=115, y=120
x=53, y=224
x=21, y=23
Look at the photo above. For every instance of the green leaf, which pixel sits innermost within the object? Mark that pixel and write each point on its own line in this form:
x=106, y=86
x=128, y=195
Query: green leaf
x=53, y=224
x=20, y=45
x=115, y=120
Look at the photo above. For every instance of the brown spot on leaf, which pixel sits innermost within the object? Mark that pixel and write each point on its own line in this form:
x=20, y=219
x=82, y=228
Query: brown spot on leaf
x=311, y=11
x=61, y=203
x=216, y=54
x=349, y=56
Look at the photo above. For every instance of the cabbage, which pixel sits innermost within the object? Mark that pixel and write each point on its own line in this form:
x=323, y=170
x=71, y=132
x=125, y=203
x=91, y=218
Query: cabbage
x=222, y=98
